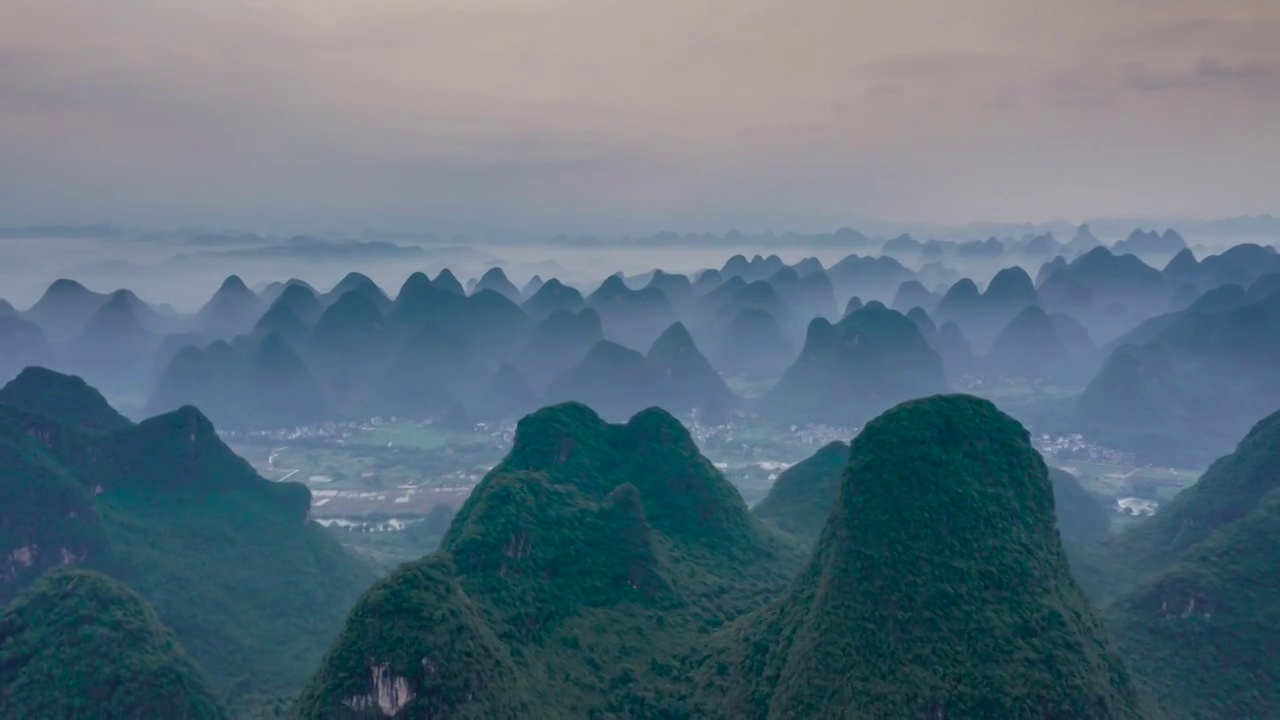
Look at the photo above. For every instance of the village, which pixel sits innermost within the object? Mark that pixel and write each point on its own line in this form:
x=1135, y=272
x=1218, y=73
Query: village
x=384, y=473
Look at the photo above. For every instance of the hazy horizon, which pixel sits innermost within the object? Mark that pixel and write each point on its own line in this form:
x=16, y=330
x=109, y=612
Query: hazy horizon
x=915, y=444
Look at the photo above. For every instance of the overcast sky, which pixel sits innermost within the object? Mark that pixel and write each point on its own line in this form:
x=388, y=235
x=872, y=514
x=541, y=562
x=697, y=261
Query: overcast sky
x=602, y=115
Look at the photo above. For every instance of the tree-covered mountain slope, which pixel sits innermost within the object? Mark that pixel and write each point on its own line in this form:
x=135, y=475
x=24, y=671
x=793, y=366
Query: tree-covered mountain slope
x=228, y=559
x=65, y=398
x=573, y=579
x=938, y=589
x=1202, y=636
x=1231, y=489
x=1198, y=609
x=416, y=647
x=78, y=645
x=802, y=496
x=1080, y=515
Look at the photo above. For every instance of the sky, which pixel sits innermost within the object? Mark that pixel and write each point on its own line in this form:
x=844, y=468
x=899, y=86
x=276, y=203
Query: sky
x=633, y=116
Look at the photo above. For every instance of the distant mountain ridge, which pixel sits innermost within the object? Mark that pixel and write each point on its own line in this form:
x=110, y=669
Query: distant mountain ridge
x=850, y=371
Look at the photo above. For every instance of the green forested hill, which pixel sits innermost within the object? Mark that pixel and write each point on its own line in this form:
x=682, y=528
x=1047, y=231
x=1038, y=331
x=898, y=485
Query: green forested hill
x=227, y=559
x=1083, y=525
x=582, y=569
x=1199, y=605
x=937, y=589
x=1203, y=636
x=1230, y=490
x=594, y=570
x=610, y=571
x=801, y=497
x=80, y=646
x=65, y=398
x=49, y=517
x=417, y=646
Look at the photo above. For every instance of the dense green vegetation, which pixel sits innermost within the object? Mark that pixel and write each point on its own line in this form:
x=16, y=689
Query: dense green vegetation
x=1083, y=524
x=1080, y=516
x=1231, y=489
x=801, y=497
x=1198, y=609
x=594, y=570
x=227, y=559
x=610, y=571
x=65, y=398
x=1202, y=636
x=417, y=627
x=49, y=518
x=938, y=588
x=80, y=646
x=594, y=555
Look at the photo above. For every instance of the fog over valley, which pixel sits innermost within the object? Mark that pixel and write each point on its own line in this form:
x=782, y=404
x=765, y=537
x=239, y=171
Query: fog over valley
x=183, y=267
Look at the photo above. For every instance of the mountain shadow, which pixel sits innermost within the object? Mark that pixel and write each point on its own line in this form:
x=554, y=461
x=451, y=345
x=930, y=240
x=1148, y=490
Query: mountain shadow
x=362, y=285
x=262, y=383
x=508, y=395
x=1110, y=292
x=1039, y=347
x=982, y=315
x=677, y=288
x=871, y=278
x=809, y=296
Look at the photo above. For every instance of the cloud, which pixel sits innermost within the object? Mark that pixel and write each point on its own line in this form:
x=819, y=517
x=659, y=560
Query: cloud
x=572, y=112
x=1204, y=74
